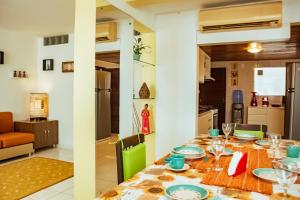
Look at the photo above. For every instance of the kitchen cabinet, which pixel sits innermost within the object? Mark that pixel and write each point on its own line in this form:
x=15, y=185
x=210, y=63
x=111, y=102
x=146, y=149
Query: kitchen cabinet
x=271, y=116
x=204, y=64
x=45, y=132
x=205, y=122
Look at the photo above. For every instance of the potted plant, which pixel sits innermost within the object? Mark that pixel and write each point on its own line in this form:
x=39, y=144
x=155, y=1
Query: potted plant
x=138, y=47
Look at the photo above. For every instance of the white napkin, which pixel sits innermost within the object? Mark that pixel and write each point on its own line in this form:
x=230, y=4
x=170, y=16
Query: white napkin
x=234, y=162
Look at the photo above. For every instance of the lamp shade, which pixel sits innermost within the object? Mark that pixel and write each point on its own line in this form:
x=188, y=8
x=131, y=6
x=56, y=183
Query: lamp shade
x=38, y=105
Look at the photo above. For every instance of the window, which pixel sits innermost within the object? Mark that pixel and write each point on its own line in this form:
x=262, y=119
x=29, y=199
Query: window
x=269, y=81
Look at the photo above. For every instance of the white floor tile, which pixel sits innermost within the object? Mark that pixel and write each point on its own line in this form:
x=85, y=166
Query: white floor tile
x=61, y=196
x=62, y=186
x=43, y=194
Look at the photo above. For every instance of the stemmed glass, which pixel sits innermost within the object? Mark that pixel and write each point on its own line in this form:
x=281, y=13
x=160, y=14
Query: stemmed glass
x=218, y=146
x=227, y=128
x=274, y=140
x=285, y=174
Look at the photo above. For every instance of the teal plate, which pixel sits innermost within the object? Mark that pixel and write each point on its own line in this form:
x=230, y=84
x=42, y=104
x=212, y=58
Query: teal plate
x=186, y=192
x=267, y=174
x=188, y=150
x=287, y=161
x=262, y=142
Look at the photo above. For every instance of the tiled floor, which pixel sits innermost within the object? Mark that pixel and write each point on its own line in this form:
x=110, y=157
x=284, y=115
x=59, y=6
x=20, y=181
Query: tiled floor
x=106, y=169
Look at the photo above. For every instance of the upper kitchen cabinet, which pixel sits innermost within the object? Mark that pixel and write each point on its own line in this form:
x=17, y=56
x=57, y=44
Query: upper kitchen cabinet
x=204, y=63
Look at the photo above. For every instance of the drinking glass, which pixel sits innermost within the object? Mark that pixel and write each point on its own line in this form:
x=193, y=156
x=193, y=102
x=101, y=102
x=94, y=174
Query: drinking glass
x=227, y=128
x=218, y=146
x=274, y=140
x=285, y=174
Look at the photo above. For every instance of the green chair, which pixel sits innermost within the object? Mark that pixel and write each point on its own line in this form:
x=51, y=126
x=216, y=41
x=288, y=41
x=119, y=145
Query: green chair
x=253, y=129
x=131, y=156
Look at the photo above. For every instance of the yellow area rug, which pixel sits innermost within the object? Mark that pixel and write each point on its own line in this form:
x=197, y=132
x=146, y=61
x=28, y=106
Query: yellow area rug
x=22, y=178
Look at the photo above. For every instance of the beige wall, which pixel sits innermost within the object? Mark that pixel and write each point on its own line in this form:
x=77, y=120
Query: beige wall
x=245, y=81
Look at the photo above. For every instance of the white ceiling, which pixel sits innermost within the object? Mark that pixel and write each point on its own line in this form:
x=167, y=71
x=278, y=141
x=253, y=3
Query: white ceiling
x=180, y=5
x=51, y=17
x=41, y=17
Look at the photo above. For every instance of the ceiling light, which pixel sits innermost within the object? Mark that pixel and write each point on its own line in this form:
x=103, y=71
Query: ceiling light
x=254, y=47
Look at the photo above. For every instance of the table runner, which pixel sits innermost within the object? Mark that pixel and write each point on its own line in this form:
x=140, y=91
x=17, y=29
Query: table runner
x=257, y=158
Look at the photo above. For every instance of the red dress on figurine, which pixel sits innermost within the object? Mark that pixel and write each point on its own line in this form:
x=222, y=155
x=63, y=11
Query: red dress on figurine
x=145, y=121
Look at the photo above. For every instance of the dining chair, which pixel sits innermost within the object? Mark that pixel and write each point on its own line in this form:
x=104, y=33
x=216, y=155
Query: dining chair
x=256, y=129
x=128, y=143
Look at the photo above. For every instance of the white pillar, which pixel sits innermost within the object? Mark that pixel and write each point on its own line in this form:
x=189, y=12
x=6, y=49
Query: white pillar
x=126, y=77
x=84, y=100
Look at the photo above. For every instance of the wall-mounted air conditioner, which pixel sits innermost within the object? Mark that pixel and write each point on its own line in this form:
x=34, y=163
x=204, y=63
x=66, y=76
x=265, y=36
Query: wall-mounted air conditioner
x=106, y=32
x=251, y=16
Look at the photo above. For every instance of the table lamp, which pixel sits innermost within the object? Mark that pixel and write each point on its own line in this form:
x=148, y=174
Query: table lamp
x=38, y=106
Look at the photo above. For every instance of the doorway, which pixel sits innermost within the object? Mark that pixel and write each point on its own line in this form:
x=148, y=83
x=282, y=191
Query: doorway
x=213, y=93
x=108, y=72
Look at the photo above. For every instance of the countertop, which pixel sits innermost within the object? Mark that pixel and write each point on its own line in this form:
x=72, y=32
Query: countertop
x=265, y=107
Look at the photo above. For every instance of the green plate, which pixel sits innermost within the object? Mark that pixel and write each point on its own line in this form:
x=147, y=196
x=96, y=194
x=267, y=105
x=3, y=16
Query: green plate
x=267, y=174
x=288, y=160
x=245, y=136
x=186, y=192
x=188, y=150
x=262, y=142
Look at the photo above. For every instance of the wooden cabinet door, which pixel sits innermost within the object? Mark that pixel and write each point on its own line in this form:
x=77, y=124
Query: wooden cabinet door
x=52, y=133
x=276, y=120
x=40, y=131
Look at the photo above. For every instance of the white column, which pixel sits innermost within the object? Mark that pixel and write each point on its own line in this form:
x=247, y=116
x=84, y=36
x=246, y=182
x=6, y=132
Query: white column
x=84, y=99
x=126, y=77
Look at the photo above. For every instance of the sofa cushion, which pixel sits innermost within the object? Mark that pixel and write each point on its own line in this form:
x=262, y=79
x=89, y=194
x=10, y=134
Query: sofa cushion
x=6, y=122
x=15, y=138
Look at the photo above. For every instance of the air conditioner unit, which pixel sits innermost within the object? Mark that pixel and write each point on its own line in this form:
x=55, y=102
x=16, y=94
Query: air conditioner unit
x=251, y=16
x=106, y=32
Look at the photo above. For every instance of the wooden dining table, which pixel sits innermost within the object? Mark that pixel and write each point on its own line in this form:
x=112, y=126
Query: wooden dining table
x=151, y=183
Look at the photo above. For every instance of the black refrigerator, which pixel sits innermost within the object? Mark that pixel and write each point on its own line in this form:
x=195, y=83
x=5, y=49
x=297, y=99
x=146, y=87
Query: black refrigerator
x=103, y=107
x=292, y=106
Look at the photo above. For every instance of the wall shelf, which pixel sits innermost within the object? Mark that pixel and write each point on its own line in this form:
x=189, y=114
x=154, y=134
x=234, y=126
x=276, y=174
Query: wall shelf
x=143, y=63
x=134, y=98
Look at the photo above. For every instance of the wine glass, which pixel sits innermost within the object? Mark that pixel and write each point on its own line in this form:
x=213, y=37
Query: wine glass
x=274, y=140
x=285, y=174
x=218, y=146
x=227, y=128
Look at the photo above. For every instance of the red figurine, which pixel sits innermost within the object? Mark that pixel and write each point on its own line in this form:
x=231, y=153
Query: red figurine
x=145, y=120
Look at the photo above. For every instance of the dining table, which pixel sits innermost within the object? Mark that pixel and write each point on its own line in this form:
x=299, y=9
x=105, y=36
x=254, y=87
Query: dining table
x=152, y=182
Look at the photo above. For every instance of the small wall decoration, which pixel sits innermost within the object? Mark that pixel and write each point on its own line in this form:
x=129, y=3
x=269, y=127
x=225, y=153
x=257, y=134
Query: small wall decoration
x=1, y=57
x=48, y=65
x=20, y=74
x=68, y=66
x=234, y=75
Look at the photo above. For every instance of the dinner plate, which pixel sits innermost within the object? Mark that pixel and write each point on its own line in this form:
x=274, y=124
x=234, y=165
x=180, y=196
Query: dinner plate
x=287, y=161
x=267, y=174
x=186, y=192
x=188, y=150
x=192, y=157
x=185, y=167
x=245, y=136
x=227, y=152
x=263, y=143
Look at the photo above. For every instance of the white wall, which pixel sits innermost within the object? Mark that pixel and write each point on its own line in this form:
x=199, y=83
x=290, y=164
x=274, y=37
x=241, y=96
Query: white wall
x=59, y=86
x=176, y=80
x=19, y=54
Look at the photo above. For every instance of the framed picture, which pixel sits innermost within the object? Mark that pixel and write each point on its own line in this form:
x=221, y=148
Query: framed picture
x=1, y=57
x=48, y=65
x=68, y=66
